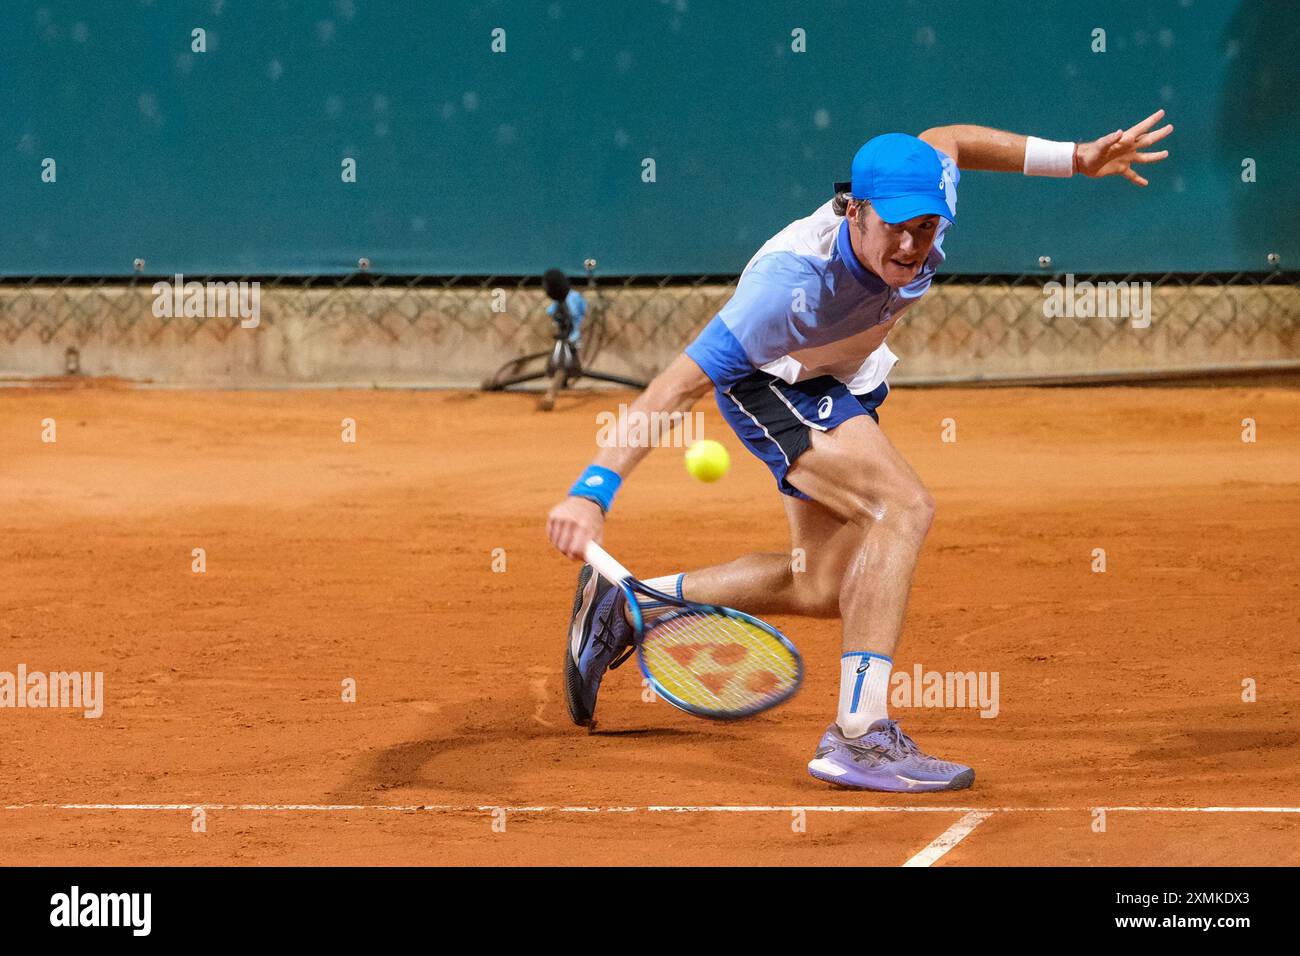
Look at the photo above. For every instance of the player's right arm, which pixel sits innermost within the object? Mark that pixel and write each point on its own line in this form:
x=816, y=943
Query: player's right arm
x=577, y=520
x=757, y=325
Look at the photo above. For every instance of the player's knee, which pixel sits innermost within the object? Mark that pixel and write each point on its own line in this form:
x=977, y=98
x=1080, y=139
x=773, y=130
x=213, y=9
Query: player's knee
x=923, y=506
x=913, y=510
x=907, y=508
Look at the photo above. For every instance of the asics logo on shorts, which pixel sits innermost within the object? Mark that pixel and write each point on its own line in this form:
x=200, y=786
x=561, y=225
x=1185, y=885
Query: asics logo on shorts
x=824, y=407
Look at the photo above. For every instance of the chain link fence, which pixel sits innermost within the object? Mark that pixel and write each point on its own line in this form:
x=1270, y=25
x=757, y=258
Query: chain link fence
x=371, y=330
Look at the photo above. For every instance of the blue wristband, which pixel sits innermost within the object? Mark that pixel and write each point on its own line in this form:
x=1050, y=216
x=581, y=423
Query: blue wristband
x=597, y=484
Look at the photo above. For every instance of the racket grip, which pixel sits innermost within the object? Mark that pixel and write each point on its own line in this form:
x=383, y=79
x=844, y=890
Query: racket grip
x=605, y=565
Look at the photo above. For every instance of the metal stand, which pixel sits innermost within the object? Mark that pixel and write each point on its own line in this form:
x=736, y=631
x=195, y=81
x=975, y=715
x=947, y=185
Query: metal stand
x=563, y=365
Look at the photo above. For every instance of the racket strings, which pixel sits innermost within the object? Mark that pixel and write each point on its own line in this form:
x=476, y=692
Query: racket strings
x=720, y=663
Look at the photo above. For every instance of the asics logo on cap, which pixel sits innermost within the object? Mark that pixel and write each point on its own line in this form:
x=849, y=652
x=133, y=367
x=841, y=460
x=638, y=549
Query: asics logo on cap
x=903, y=176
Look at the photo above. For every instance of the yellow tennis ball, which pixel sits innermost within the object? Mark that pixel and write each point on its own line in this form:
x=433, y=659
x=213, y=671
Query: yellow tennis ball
x=707, y=460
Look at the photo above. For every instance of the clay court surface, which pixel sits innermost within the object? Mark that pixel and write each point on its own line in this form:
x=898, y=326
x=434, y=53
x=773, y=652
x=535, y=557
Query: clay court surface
x=374, y=561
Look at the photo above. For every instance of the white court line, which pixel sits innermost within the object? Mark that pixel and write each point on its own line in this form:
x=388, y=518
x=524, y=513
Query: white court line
x=1202, y=809
x=949, y=838
x=488, y=807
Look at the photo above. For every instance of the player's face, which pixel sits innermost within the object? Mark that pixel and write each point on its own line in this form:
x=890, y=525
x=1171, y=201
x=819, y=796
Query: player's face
x=893, y=251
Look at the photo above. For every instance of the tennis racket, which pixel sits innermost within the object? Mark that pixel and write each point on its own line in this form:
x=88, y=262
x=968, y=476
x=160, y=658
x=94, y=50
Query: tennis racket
x=705, y=659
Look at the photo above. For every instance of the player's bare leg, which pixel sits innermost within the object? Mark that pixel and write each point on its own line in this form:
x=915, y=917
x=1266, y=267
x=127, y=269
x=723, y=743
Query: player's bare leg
x=861, y=539
x=854, y=548
x=859, y=476
x=805, y=580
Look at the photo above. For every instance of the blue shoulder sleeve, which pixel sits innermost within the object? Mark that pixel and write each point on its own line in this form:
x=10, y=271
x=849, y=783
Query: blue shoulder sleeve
x=758, y=324
x=719, y=353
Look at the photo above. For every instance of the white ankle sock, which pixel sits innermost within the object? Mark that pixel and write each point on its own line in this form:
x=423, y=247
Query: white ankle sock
x=670, y=584
x=864, y=691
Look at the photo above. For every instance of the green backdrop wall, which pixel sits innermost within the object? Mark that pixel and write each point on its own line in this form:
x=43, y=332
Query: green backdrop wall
x=475, y=162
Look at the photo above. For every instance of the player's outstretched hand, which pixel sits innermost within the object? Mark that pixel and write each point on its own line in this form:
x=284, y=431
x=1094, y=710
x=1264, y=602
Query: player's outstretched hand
x=574, y=522
x=1116, y=153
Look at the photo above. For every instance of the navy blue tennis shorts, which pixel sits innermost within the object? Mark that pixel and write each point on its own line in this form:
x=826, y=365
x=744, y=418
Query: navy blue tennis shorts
x=776, y=420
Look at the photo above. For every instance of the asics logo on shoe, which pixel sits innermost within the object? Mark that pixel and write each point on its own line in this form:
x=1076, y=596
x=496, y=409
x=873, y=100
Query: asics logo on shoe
x=873, y=755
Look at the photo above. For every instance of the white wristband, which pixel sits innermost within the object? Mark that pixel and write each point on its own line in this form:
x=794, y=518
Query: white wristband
x=1045, y=157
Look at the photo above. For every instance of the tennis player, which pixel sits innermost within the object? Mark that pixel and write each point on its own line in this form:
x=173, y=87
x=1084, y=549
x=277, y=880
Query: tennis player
x=798, y=361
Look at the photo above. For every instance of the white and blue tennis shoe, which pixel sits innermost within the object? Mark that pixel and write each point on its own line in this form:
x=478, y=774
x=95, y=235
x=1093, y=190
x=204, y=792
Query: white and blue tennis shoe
x=884, y=758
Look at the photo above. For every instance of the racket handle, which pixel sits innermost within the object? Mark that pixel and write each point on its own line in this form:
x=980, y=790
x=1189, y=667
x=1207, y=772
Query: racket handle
x=605, y=565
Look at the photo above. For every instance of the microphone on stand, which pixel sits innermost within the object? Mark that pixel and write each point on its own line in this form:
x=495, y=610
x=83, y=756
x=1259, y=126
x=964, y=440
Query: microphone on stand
x=557, y=287
x=562, y=365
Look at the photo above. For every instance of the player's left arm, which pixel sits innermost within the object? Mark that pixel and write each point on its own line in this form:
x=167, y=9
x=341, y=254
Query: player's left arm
x=1115, y=154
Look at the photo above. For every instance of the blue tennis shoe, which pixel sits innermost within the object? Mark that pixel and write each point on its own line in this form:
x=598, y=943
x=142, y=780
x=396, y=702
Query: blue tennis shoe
x=600, y=639
x=884, y=758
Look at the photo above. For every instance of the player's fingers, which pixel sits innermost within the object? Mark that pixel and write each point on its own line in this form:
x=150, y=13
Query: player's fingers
x=560, y=530
x=556, y=532
x=1098, y=151
x=1155, y=137
x=1097, y=154
x=1108, y=141
x=571, y=547
x=578, y=541
x=1134, y=178
x=1150, y=157
x=1147, y=123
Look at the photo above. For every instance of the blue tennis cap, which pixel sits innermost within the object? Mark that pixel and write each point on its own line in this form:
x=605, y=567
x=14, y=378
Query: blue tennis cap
x=902, y=176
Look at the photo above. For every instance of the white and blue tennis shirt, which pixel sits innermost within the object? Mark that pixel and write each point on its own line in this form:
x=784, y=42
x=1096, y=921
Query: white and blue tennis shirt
x=804, y=306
